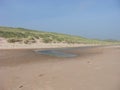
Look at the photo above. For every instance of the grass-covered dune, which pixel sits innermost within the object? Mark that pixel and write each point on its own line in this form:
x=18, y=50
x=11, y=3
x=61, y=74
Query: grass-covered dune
x=22, y=35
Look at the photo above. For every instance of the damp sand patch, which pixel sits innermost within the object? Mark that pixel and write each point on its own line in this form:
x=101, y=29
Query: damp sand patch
x=56, y=53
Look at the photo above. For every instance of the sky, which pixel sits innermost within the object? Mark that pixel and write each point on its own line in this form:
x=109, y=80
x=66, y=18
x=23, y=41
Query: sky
x=99, y=19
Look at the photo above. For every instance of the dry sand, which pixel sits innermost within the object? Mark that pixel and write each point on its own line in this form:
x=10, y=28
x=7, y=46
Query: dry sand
x=40, y=45
x=5, y=45
x=95, y=68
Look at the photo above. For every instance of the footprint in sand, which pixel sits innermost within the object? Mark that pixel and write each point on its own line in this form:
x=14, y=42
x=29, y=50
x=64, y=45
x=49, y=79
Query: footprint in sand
x=40, y=75
x=21, y=86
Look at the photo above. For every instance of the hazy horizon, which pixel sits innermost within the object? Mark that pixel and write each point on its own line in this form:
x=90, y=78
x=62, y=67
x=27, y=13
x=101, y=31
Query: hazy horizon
x=98, y=19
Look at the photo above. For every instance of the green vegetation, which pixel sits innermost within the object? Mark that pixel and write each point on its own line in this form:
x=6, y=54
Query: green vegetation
x=22, y=35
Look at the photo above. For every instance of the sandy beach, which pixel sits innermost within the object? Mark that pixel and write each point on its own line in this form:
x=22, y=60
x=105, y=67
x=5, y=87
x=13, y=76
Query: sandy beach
x=94, y=68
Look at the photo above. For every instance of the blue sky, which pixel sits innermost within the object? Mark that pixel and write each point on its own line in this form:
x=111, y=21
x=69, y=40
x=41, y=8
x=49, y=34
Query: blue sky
x=88, y=18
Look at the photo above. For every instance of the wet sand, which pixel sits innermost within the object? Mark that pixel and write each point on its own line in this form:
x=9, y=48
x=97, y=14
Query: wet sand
x=95, y=68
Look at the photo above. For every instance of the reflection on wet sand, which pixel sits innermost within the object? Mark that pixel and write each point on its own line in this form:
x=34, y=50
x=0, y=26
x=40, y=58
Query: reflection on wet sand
x=24, y=56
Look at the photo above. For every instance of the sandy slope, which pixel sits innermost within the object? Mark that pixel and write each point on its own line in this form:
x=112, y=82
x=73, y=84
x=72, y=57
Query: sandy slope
x=93, y=69
x=5, y=45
